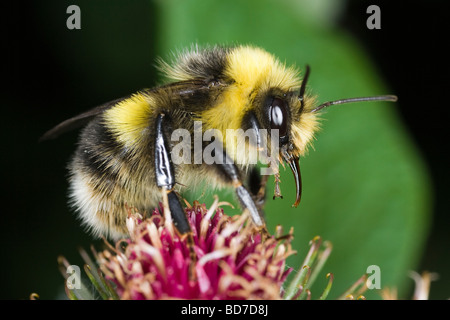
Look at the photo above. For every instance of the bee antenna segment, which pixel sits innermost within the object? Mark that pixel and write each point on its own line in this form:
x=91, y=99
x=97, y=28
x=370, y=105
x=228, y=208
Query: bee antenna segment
x=342, y=101
x=303, y=88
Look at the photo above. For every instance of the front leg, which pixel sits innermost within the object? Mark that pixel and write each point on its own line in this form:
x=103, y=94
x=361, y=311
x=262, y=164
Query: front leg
x=231, y=174
x=257, y=186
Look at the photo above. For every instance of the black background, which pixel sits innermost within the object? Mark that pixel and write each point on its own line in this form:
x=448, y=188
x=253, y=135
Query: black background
x=410, y=50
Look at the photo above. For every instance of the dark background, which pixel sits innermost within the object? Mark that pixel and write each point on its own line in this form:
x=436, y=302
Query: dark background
x=41, y=90
x=412, y=55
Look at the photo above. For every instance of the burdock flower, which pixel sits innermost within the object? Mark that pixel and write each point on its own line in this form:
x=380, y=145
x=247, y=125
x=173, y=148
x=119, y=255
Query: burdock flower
x=422, y=286
x=227, y=258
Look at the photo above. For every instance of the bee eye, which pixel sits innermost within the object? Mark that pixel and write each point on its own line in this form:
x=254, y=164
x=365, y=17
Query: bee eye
x=278, y=116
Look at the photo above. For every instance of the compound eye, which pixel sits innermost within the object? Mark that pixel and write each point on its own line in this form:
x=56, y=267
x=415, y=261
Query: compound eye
x=278, y=116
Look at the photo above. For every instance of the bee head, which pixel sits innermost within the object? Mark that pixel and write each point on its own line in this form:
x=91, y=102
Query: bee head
x=289, y=113
x=295, y=115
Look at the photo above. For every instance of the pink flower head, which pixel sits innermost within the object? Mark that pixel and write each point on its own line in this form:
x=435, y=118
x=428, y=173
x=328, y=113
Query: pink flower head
x=228, y=259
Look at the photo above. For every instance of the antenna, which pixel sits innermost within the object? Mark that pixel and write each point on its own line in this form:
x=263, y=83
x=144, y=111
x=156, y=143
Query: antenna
x=391, y=98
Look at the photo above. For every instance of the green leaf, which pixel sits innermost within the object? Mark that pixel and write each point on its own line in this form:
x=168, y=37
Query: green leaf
x=365, y=187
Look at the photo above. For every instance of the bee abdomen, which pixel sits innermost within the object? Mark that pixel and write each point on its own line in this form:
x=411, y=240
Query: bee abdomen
x=107, y=182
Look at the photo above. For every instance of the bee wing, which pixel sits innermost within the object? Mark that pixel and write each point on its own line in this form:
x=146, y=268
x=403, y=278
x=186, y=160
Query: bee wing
x=189, y=88
x=78, y=120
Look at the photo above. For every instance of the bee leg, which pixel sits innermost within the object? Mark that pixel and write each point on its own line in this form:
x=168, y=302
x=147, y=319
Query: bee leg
x=165, y=176
x=231, y=173
x=257, y=186
x=277, y=190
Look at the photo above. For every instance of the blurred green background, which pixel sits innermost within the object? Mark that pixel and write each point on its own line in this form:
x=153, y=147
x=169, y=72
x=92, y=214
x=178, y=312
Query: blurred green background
x=372, y=184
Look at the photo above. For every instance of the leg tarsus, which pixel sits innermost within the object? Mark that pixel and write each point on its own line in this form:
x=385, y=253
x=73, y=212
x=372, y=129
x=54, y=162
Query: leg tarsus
x=277, y=190
x=178, y=214
x=247, y=201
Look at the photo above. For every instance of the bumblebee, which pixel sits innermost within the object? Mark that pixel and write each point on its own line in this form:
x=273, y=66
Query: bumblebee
x=124, y=155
